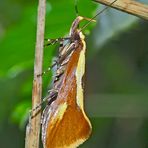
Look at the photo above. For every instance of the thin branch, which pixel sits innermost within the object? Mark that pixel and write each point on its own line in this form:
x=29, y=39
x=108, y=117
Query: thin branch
x=128, y=6
x=33, y=128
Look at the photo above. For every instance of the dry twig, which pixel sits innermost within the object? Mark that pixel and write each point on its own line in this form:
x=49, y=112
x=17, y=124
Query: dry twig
x=128, y=6
x=33, y=128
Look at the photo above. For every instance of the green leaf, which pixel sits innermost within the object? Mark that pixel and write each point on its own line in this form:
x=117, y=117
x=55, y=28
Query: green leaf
x=20, y=114
x=18, y=43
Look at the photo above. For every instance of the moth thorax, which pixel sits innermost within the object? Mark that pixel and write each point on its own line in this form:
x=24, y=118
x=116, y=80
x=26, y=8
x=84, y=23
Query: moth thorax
x=78, y=35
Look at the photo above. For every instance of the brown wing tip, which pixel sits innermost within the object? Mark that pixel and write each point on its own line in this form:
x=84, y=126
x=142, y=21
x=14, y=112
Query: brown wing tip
x=70, y=131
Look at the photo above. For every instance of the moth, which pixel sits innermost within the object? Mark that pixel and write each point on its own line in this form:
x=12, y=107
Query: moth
x=64, y=121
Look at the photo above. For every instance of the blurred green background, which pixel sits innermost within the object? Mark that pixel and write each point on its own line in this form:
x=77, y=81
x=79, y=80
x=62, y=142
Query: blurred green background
x=116, y=88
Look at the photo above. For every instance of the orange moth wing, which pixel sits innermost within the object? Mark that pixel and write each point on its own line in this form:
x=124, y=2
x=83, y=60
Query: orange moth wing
x=65, y=124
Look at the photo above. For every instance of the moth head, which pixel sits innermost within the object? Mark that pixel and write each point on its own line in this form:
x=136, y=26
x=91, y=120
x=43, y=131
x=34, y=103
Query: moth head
x=74, y=31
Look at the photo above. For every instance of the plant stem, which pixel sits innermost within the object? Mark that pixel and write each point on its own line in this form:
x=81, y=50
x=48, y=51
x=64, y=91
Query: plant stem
x=33, y=128
x=128, y=6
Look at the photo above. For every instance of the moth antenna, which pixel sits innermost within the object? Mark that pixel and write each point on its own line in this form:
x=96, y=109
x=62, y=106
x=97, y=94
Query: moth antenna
x=83, y=27
x=76, y=8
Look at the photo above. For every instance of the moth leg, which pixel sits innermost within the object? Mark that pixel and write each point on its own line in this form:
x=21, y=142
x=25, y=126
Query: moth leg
x=48, y=69
x=58, y=61
x=50, y=98
x=54, y=41
x=51, y=42
x=71, y=48
x=36, y=109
